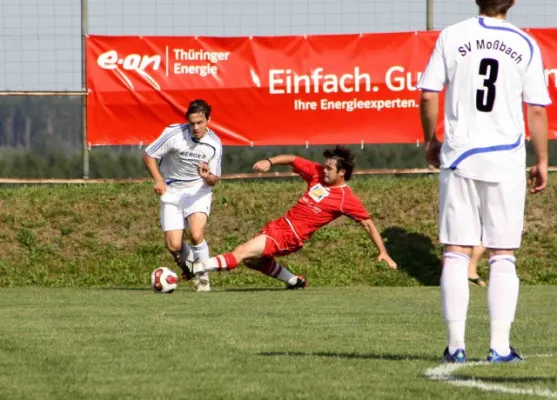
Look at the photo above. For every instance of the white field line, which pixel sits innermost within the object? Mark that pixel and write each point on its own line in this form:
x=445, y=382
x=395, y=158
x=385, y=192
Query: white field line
x=444, y=373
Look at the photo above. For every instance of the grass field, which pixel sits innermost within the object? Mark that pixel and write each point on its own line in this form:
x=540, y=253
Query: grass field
x=79, y=320
x=320, y=343
x=109, y=235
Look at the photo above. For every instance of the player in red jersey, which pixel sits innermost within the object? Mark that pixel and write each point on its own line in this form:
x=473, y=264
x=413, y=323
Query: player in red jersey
x=327, y=197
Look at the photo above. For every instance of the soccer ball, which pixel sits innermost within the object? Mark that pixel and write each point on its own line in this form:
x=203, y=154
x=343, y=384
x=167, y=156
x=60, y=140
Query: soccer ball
x=164, y=280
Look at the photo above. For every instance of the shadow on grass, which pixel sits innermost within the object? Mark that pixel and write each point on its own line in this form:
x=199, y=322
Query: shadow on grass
x=218, y=290
x=414, y=253
x=500, y=379
x=254, y=289
x=352, y=356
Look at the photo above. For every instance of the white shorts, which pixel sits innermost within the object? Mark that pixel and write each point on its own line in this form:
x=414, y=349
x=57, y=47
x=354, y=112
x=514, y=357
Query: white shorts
x=177, y=206
x=473, y=212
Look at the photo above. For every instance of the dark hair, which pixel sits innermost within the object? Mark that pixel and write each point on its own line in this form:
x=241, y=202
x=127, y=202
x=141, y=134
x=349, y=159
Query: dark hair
x=493, y=8
x=199, y=106
x=344, y=159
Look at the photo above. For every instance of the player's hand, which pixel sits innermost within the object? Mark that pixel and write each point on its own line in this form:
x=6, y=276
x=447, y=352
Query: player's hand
x=262, y=166
x=432, y=152
x=204, y=170
x=385, y=257
x=160, y=187
x=537, y=179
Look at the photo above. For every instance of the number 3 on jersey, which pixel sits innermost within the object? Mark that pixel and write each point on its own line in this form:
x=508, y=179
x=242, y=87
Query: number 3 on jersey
x=485, y=97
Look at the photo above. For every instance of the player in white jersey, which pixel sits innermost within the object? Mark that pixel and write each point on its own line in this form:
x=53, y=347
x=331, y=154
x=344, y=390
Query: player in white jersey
x=185, y=162
x=488, y=68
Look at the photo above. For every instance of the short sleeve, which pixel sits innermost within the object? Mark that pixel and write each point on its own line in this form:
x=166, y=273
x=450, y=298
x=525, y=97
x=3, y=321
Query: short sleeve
x=352, y=207
x=165, y=142
x=535, y=90
x=308, y=170
x=215, y=162
x=434, y=77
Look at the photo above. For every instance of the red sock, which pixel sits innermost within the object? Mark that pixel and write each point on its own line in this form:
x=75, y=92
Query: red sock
x=224, y=261
x=230, y=260
x=270, y=267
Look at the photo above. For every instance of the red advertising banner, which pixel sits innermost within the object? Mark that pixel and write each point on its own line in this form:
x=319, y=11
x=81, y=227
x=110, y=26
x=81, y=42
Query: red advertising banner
x=288, y=90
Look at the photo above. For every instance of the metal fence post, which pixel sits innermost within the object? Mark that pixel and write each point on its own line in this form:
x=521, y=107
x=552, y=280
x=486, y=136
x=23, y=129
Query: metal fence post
x=85, y=147
x=429, y=14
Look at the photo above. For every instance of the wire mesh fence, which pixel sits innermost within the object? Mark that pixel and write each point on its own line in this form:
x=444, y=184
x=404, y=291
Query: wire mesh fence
x=41, y=50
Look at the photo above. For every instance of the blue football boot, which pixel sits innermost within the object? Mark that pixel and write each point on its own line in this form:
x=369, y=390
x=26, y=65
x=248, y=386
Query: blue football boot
x=495, y=358
x=459, y=356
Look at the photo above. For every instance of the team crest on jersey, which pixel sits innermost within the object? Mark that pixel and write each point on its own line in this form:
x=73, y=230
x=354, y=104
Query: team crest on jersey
x=318, y=192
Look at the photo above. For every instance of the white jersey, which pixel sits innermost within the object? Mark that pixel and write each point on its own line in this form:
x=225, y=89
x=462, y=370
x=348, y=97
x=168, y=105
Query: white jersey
x=489, y=68
x=180, y=155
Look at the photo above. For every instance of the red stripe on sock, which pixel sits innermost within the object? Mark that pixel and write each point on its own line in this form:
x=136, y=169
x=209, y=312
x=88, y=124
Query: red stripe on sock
x=231, y=261
x=219, y=263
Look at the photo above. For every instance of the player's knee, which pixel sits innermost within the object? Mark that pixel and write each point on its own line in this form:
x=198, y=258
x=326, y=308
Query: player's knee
x=500, y=252
x=173, y=246
x=197, y=236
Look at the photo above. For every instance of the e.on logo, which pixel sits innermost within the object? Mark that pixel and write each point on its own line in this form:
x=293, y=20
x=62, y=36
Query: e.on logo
x=138, y=63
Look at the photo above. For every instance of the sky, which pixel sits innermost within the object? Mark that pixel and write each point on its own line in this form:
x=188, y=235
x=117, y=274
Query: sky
x=40, y=40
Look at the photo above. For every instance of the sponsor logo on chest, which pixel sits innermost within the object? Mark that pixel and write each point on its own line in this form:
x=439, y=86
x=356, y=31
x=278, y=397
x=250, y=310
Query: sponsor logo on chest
x=190, y=155
x=318, y=192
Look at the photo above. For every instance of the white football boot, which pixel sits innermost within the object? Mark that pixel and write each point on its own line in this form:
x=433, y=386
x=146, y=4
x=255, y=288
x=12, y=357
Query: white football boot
x=201, y=282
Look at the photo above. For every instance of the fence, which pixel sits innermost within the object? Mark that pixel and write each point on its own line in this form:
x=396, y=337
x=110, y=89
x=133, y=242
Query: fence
x=42, y=41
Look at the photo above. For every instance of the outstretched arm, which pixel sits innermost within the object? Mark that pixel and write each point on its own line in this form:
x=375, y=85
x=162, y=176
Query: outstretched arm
x=374, y=235
x=265, y=165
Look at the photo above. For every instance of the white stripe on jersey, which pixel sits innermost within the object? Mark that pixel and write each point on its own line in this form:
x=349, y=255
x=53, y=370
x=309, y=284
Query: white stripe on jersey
x=165, y=136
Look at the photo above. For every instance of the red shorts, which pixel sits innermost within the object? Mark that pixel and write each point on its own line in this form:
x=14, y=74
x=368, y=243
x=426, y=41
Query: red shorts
x=281, y=239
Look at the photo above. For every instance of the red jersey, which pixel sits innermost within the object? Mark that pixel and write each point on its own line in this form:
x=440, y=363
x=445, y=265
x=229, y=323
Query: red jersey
x=321, y=204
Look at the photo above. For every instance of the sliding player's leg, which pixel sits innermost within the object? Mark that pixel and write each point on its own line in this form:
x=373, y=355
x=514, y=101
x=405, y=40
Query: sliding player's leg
x=253, y=248
x=270, y=267
x=275, y=239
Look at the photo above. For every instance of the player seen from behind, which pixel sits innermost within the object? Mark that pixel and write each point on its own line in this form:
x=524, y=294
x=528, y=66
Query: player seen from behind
x=488, y=68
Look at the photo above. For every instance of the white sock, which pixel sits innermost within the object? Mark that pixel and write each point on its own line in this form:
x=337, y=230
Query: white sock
x=502, y=295
x=222, y=262
x=455, y=294
x=200, y=254
x=186, y=252
x=212, y=264
x=286, y=276
x=500, y=332
x=201, y=251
